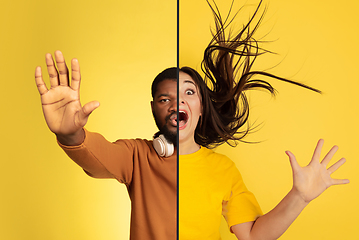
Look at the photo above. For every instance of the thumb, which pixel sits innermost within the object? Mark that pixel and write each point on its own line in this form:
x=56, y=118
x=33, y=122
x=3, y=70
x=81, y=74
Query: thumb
x=87, y=109
x=293, y=161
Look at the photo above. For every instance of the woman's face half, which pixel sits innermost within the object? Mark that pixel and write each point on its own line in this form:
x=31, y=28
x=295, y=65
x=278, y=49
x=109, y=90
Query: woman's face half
x=189, y=108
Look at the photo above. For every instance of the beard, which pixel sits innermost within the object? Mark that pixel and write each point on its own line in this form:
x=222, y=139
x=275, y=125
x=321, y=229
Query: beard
x=170, y=136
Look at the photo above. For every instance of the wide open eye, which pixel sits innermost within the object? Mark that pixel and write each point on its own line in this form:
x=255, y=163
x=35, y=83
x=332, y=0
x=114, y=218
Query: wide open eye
x=189, y=92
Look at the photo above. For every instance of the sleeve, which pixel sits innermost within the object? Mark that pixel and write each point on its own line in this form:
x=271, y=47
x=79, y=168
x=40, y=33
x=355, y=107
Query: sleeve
x=100, y=158
x=241, y=206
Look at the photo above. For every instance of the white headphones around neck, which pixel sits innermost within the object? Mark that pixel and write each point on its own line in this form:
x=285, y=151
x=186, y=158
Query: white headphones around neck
x=162, y=146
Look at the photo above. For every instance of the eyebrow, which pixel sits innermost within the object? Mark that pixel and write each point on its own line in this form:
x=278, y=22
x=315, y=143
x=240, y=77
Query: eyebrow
x=170, y=95
x=189, y=81
x=163, y=95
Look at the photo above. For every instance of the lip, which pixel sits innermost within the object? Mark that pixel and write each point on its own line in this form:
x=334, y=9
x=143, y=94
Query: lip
x=185, y=125
x=172, y=119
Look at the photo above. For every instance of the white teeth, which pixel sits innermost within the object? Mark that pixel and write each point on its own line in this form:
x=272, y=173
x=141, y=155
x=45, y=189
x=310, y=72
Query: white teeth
x=183, y=112
x=183, y=117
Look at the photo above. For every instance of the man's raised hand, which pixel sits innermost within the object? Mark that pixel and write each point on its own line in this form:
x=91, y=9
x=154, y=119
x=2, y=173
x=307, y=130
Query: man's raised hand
x=61, y=105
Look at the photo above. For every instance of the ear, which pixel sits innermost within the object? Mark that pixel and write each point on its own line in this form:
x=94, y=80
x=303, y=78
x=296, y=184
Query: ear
x=151, y=105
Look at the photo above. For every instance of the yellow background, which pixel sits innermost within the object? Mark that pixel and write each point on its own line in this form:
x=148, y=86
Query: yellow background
x=317, y=42
x=121, y=47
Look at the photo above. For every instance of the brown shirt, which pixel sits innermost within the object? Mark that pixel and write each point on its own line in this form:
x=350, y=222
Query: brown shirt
x=151, y=181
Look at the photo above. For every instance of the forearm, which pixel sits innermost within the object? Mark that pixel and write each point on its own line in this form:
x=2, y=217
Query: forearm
x=84, y=156
x=273, y=224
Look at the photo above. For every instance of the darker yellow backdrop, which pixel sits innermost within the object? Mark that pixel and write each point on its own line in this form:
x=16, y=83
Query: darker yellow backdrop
x=121, y=47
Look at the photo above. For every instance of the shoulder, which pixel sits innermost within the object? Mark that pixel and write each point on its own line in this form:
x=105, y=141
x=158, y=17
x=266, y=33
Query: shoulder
x=138, y=143
x=219, y=158
x=142, y=148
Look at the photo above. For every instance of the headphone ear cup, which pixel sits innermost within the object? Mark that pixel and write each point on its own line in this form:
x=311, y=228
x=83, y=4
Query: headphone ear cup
x=169, y=147
x=162, y=146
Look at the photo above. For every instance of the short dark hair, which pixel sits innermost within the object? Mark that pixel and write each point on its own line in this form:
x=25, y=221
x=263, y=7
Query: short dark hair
x=167, y=74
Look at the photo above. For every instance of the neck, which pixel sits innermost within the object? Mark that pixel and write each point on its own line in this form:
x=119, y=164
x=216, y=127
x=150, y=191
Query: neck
x=188, y=147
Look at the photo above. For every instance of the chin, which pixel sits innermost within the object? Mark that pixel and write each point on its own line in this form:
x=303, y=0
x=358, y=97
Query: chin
x=170, y=135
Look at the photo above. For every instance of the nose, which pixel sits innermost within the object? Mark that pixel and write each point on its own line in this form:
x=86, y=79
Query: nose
x=173, y=106
x=180, y=99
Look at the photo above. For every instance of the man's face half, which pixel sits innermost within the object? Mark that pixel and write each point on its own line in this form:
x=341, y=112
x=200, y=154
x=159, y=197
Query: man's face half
x=164, y=109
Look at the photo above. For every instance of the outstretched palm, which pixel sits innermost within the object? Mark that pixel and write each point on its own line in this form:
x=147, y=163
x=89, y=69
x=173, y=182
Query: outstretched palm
x=310, y=181
x=61, y=105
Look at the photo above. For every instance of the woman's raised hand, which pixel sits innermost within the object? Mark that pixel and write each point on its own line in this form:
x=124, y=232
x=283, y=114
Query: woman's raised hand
x=61, y=105
x=310, y=181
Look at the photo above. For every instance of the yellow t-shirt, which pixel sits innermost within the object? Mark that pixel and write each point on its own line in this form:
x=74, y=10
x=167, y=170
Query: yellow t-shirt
x=210, y=185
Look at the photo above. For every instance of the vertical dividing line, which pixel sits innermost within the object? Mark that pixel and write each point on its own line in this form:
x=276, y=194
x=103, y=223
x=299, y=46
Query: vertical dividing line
x=177, y=120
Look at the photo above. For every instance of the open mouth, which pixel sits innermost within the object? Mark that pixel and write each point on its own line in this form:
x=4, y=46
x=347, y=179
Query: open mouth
x=181, y=121
x=183, y=118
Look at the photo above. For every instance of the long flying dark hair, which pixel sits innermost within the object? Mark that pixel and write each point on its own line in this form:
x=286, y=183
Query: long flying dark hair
x=227, y=65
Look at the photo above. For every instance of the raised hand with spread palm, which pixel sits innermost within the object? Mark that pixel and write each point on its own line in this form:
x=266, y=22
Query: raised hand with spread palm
x=312, y=180
x=64, y=114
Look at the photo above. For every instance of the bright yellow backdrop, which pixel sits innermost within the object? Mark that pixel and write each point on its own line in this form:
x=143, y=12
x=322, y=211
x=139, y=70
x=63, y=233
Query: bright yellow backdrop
x=121, y=47
x=317, y=42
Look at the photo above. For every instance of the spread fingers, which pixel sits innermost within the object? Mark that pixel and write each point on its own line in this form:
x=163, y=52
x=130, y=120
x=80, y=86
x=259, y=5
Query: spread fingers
x=62, y=69
x=51, y=69
x=40, y=82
